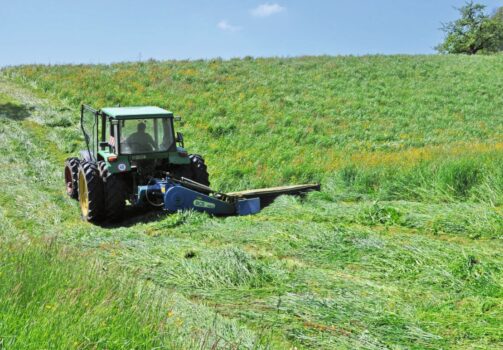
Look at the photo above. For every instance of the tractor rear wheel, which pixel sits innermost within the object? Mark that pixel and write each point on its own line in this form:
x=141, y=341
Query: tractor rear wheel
x=90, y=192
x=72, y=177
x=114, y=195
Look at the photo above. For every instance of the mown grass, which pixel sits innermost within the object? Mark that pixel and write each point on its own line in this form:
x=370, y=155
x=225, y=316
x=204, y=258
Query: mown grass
x=59, y=298
x=401, y=249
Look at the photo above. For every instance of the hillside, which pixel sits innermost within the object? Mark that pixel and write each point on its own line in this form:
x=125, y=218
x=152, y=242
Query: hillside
x=275, y=121
x=402, y=248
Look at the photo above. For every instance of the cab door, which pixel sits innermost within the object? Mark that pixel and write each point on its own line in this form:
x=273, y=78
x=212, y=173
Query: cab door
x=89, y=126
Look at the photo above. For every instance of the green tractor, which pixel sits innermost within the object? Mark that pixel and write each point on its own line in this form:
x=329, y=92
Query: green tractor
x=127, y=148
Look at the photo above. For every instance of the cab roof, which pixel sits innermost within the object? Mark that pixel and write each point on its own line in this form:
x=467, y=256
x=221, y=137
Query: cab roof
x=136, y=112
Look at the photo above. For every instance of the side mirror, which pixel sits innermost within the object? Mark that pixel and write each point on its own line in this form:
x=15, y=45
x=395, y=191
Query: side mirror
x=179, y=138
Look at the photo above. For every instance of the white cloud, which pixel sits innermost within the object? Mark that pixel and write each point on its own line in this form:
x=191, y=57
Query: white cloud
x=267, y=9
x=224, y=25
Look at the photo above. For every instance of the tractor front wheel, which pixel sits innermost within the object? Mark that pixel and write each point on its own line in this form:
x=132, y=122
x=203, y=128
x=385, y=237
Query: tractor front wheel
x=90, y=192
x=195, y=171
x=199, y=170
x=72, y=177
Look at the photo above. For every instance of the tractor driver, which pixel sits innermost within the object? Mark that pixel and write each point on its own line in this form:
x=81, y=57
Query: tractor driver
x=141, y=141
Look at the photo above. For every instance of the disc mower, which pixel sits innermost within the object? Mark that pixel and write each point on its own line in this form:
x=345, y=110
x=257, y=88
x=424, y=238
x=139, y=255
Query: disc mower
x=133, y=156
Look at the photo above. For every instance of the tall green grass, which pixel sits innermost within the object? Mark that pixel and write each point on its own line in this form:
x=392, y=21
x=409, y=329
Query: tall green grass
x=475, y=177
x=433, y=122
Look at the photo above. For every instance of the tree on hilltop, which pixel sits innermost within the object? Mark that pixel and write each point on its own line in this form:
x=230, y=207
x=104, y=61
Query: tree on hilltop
x=475, y=32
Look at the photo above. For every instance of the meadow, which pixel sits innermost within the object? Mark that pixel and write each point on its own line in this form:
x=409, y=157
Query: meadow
x=400, y=249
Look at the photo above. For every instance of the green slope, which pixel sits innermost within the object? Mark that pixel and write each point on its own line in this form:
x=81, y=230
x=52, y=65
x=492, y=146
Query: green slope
x=401, y=249
x=274, y=121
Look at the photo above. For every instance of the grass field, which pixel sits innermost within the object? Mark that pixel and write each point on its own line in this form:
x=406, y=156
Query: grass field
x=401, y=249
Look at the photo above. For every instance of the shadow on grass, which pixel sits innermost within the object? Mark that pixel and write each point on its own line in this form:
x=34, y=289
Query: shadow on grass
x=14, y=111
x=134, y=216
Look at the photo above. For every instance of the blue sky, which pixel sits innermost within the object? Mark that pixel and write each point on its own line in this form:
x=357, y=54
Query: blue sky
x=92, y=31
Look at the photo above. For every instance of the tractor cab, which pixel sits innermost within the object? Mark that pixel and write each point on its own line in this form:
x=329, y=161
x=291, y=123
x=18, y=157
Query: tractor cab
x=121, y=136
x=140, y=130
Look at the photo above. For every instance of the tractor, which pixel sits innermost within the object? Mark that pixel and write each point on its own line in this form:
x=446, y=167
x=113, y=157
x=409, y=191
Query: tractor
x=134, y=156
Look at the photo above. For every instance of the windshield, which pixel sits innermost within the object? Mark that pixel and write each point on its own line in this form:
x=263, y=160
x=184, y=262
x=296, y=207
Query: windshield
x=146, y=135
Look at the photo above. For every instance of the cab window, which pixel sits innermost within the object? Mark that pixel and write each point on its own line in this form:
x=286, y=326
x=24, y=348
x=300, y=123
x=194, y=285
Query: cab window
x=146, y=135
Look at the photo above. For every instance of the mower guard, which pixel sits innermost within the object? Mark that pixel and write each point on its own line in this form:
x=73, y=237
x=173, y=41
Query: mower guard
x=183, y=194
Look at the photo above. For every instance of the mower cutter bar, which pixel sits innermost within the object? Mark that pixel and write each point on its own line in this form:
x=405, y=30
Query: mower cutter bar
x=267, y=195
